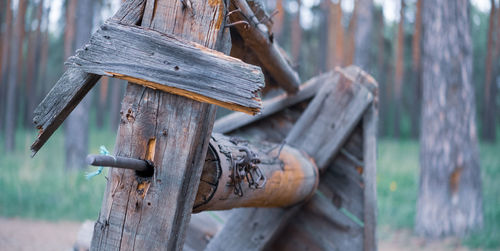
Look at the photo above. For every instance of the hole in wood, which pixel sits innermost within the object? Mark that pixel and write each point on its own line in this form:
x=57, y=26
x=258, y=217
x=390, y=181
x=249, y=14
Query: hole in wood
x=176, y=68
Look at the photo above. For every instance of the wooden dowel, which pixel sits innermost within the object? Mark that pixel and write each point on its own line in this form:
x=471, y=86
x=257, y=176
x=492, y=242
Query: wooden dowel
x=118, y=162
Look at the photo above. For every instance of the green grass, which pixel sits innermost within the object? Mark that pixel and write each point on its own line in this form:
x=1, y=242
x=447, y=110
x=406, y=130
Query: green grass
x=40, y=188
x=398, y=165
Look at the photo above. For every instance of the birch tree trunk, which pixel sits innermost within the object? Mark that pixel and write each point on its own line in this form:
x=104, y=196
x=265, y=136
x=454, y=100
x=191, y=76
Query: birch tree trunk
x=450, y=196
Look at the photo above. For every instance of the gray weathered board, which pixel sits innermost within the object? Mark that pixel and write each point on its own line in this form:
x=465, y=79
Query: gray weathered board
x=258, y=37
x=168, y=63
x=152, y=213
x=72, y=87
x=348, y=223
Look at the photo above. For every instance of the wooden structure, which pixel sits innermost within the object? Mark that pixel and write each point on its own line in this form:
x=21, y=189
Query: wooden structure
x=304, y=166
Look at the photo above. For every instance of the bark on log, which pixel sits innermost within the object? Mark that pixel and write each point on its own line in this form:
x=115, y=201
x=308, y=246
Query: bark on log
x=172, y=131
x=168, y=63
x=288, y=176
x=258, y=37
x=72, y=87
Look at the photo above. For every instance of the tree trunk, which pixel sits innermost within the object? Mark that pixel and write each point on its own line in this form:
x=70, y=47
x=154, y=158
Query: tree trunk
x=489, y=101
x=399, y=73
x=296, y=38
x=335, y=35
x=15, y=47
x=450, y=195
x=416, y=68
x=323, y=37
x=362, y=40
x=33, y=66
x=279, y=20
x=117, y=89
x=102, y=102
x=4, y=60
x=76, y=131
x=350, y=45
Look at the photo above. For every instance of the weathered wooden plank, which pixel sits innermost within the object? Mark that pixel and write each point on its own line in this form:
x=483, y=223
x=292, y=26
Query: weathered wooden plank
x=329, y=119
x=369, y=177
x=172, y=131
x=312, y=233
x=257, y=36
x=271, y=106
x=74, y=84
x=282, y=175
x=250, y=228
x=168, y=63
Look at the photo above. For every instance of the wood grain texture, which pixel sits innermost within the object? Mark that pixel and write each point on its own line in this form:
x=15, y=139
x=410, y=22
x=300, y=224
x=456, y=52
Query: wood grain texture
x=271, y=106
x=173, y=132
x=291, y=176
x=74, y=84
x=329, y=119
x=369, y=177
x=165, y=62
x=258, y=37
x=323, y=222
x=250, y=228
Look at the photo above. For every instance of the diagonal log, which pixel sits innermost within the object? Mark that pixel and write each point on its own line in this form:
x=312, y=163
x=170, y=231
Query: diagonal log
x=258, y=37
x=271, y=106
x=168, y=63
x=343, y=93
x=74, y=84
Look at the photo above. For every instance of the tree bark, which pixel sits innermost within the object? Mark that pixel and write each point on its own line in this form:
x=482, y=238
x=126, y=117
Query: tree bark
x=33, y=66
x=76, y=130
x=399, y=73
x=15, y=48
x=362, y=40
x=296, y=37
x=4, y=60
x=490, y=81
x=417, y=76
x=335, y=35
x=450, y=195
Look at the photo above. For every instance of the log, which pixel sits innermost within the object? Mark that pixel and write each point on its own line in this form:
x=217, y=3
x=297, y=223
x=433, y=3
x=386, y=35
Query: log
x=281, y=176
x=329, y=119
x=335, y=102
x=168, y=63
x=74, y=84
x=171, y=131
x=257, y=36
x=271, y=106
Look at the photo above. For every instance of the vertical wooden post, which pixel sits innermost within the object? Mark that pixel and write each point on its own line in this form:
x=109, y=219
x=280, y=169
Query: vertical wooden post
x=152, y=213
x=369, y=177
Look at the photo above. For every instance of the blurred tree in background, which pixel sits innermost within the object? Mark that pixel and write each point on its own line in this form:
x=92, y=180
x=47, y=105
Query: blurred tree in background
x=385, y=37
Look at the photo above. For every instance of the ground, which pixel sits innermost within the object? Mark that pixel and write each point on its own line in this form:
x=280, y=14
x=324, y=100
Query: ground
x=42, y=205
x=22, y=234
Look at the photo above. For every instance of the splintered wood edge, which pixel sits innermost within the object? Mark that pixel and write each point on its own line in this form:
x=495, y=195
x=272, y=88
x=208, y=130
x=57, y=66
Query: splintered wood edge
x=192, y=95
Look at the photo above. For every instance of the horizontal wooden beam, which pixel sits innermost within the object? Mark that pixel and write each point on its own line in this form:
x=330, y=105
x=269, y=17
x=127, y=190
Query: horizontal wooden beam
x=273, y=105
x=258, y=37
x=74, y=84
x=278, y=175
x=168, y=63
